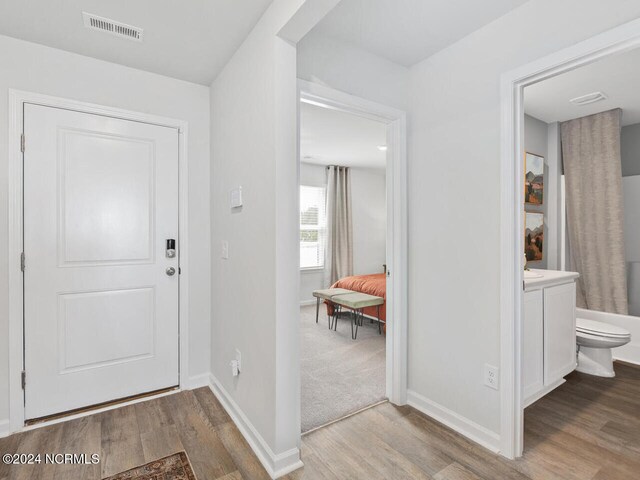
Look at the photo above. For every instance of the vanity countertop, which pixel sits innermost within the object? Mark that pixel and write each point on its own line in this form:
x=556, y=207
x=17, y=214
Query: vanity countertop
x=535, y=279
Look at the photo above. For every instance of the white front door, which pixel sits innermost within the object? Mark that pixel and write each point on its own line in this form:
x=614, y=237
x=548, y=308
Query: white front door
x=100, y=307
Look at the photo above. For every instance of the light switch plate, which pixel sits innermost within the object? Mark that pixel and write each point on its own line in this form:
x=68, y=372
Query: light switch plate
x=235, y=197
x=239, y=359
x=225, y=249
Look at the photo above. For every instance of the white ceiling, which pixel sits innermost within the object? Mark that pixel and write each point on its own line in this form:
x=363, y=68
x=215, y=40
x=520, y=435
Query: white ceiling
x=407, y=31
x=618, y=77
x=189, y=39
x=331, y=137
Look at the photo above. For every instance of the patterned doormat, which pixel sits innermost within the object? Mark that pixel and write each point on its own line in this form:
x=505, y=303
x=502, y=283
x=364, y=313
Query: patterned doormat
x=173, y=467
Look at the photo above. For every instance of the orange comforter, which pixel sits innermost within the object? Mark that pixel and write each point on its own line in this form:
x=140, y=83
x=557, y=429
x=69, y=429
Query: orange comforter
x=375, y=284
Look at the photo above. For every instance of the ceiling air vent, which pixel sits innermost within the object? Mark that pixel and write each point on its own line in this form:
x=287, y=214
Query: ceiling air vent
x=107, y=25
x=588, y=98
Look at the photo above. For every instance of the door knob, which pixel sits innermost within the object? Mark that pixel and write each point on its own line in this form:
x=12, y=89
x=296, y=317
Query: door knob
x=171, y=271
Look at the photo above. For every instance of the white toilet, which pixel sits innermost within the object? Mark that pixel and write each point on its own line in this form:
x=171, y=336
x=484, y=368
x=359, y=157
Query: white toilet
x=595, y=341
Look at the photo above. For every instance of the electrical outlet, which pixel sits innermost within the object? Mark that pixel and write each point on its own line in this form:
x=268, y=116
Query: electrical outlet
x=239, y=360
x=491, y=377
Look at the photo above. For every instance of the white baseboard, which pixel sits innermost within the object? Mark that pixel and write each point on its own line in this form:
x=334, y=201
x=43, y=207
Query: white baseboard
x=5, y=428
x=457, y=422
x=306, y=303
x=198, y=381
x=275, y=465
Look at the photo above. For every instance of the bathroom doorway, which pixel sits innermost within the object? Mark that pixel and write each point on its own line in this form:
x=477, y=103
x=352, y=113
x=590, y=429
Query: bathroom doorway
x=536, y=223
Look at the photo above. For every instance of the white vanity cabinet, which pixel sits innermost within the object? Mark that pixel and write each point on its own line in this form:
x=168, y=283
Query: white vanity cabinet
x=533, y=346
x=549, y=332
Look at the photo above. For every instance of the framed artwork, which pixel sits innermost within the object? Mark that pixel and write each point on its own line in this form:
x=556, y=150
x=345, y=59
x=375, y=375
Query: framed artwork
x=533, y=236
x=533, y=179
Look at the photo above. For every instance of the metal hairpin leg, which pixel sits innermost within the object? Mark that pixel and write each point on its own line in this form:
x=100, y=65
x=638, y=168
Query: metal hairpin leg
x=317, y=308
x=379, y=322
x=333, y=319
x=356, y=317
x=352, y=322
x=332, y=316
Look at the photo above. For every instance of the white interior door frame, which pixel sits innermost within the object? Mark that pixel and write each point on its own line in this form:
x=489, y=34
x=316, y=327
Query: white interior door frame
x=396, y=179
x=617, y=40
x=17, y=99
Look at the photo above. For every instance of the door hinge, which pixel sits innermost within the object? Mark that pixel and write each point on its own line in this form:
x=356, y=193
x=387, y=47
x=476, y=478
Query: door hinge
x=24, y=379
x=22, y=142
x=22, y=261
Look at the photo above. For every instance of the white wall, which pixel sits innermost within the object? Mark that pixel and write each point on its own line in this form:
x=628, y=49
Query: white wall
x=368, y=187
x=255, y=291
x=345, y=67
x=35, y=68
x=454, y=237
x=369, y=220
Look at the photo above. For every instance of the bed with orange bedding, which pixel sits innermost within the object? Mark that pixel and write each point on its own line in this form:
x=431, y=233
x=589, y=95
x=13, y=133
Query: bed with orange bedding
x=375, y=284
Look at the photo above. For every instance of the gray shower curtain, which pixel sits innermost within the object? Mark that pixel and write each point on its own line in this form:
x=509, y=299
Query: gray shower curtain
x=339, y=246
x=593, y=174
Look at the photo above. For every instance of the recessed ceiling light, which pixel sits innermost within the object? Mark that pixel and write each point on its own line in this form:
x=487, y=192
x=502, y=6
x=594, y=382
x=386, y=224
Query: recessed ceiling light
x=382, y=148
x=588, y=98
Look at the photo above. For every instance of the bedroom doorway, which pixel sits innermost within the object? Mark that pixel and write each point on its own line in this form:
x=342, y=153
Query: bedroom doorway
x=351, y=243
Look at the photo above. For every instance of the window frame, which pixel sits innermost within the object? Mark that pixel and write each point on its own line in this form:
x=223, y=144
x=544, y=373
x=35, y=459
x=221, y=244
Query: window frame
x=320, y=227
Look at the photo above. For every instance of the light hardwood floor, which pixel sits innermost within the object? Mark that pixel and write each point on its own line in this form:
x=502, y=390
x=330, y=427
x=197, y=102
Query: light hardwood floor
x=587, y=429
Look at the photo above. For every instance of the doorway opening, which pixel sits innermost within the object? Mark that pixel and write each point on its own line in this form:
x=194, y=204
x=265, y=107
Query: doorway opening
x=353, y=350
x=582, y=196
x=542, y=336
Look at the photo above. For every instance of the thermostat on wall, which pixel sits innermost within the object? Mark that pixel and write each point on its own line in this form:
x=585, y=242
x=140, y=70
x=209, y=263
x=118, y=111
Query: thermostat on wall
x=235, y=199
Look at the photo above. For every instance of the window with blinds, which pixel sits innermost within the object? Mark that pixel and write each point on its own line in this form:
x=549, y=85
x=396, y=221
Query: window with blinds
x=313, y=226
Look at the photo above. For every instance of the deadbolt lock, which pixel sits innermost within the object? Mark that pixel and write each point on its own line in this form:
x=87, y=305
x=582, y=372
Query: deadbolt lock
x=171, y=248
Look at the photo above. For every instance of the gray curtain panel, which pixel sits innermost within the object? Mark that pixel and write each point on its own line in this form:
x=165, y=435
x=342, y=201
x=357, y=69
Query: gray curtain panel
x=339, y=245
x=593, y=174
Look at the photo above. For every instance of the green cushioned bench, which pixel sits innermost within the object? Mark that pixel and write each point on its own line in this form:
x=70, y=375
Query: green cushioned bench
x=327, y=294
x=356, y=301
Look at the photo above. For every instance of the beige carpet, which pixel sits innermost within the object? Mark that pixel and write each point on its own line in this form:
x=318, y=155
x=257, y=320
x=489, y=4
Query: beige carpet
x=339, y=375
